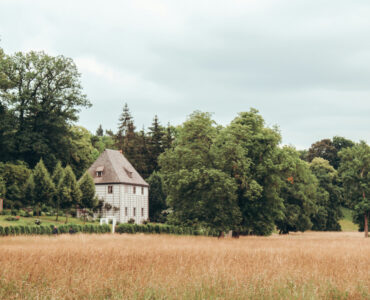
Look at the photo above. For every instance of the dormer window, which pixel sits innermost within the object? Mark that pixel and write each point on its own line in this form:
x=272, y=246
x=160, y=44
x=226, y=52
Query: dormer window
x=129, y=173
x=99, y=171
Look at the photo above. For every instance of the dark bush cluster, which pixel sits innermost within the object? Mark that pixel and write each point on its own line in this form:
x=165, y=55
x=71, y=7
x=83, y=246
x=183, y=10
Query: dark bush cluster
x=48, y=229
x=164, y=229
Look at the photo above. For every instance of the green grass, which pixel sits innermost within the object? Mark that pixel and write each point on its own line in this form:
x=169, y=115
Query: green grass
x=45, y=220
x=346, y=223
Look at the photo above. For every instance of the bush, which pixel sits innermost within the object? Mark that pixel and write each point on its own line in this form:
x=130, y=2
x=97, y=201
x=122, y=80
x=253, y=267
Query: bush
x=12, y=219
x=48, y=229
x=131, y=221
x=38, y=222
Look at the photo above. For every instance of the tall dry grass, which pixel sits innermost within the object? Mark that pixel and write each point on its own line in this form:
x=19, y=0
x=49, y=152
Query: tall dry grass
x=299, y=266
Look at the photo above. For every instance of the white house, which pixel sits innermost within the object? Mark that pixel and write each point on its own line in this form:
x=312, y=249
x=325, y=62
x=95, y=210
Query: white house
x=124, y=191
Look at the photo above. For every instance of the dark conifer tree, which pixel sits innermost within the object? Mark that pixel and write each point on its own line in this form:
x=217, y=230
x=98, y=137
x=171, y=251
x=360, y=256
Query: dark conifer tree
x=156, y=137
x=99, y=131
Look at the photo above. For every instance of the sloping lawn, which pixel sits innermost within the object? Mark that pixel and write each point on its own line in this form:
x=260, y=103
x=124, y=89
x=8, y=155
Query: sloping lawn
x=44, y=220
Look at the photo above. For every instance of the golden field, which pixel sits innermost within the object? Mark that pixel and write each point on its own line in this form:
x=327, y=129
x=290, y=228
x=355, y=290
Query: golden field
x=298, y=266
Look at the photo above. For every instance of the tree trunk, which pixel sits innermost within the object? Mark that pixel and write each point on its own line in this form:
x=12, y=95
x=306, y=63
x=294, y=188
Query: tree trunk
x=56, y=219
x=366, y=227
x=66, y=217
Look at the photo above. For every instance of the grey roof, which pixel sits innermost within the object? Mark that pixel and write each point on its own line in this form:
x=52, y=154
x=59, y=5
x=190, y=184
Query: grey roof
x=116, y=169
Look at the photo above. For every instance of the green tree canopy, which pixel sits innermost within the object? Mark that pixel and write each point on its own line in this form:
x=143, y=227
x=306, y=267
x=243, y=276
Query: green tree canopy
x=69, y=192
x=328, y=196
x=251, y=157
x=198, y=192
x=157, y=197
x=44, y=96
x=15, y=176
x=299, y=191
x=44, y=187
x=355, y=173
x=87, y=188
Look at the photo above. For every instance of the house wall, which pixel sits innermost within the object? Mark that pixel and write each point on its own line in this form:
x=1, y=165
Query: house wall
x=124, y=196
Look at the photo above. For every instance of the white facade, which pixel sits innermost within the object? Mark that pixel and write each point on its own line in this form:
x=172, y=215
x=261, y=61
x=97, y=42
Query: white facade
x=127, y=201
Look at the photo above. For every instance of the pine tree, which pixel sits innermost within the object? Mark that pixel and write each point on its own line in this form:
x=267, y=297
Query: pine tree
x=69, y=192
x=169, y=137
x=87, y=188
x=125, y=121
x=44, y=186
x=57, y=177
x=99, y=131
x=29, y=191
x=156, y=134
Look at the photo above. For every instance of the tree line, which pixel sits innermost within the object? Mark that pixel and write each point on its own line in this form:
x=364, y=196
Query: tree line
x=200, y=173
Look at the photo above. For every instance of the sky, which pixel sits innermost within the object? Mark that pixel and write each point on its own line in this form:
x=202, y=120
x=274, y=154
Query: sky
x=305, y=65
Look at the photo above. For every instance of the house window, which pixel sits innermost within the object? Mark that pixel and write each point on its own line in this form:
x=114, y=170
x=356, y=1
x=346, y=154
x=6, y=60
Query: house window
x=110, y=189
x=126, y=210
x=134, y=189
x=142, y=211
x=134, y=212
x=99, y=173
x=142, y=191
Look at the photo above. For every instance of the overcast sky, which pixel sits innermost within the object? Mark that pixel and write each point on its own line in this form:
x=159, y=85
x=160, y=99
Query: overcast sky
x=305, y=65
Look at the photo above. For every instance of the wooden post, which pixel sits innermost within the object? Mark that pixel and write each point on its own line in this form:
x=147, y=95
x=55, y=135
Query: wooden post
x=1, y=204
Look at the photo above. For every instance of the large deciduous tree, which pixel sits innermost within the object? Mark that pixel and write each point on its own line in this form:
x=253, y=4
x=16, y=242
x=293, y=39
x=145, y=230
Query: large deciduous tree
x=328, y=201
x=45, y=96
x=250, y=153
x=298, y=190
x=198, y=192
x=355, y=174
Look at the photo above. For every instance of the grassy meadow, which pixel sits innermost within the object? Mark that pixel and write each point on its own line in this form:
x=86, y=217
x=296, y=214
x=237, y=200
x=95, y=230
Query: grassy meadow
x=307, y=265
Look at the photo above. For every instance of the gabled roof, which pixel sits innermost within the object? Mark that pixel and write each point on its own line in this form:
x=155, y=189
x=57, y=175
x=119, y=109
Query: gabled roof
x=116, y=169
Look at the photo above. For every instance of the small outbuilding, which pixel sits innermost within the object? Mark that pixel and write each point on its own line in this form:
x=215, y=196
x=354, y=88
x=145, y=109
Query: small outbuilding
x=124, y=192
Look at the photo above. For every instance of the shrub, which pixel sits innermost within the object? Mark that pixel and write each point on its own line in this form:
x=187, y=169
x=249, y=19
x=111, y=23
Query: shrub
x=131, y=221
x=12, y=219
x=38, y=222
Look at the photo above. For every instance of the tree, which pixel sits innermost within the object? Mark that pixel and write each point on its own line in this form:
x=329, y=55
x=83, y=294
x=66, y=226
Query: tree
x=2, y=188
x=355, y=173
x=80, y=150
x=169, y=136
x=99, y=131
x=251, y=155
x=87, y=187
x=157, y=197
x=70, y=193
x=199, y=194
x=328, y=196
x=57, y=177
x=156, y=134
x=45, y=95
x=15, y=176
x=324, y=149
x=44, y=187
x=299, y=191
x=29, y=193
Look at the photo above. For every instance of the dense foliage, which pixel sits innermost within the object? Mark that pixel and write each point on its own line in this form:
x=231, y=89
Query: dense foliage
x=201, y=174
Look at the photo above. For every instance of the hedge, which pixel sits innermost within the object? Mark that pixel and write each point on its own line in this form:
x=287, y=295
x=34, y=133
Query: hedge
x=48, y=229
x=164, y=229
